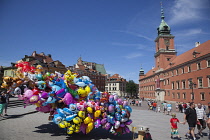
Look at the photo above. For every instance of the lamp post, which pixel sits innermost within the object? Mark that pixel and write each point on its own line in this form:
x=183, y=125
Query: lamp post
x=191, y=86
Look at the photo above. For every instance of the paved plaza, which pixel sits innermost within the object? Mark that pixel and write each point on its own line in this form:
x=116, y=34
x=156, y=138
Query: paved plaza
x=28, y=124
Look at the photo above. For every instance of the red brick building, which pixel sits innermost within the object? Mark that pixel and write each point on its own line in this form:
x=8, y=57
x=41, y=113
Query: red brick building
x=182, y=78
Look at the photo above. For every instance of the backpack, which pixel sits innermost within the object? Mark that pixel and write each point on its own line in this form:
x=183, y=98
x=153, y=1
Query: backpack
x=147, y=136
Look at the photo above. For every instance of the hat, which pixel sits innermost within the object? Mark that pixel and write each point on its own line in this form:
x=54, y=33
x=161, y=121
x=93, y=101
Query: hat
x=173, y=115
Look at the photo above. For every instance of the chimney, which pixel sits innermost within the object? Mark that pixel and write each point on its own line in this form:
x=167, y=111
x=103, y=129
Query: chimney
x=49, y=55
x=197, y=44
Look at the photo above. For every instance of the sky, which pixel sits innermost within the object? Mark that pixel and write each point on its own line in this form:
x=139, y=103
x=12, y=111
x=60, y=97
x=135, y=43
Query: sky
x=117, y=33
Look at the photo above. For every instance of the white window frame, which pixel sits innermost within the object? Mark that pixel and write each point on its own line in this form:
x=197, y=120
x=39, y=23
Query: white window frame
x=200, y=86
x=202, y=94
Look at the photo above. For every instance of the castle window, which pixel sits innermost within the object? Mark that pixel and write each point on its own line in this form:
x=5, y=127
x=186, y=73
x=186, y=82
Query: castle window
x=184, y=95
x=189, y=68
x=177, y=72
x=208, y=79
x=168, y=59
x=177, y=84
x=199, y=66
x=208, y=63
x=178, y=95
x=202, y=96
x=172, y=73
x=172, y=85
x=192, y=96
x=200, y=82
x=173, y=95
x=183, y=84
x=167, y=47
x=168, y=93
x=182, y=70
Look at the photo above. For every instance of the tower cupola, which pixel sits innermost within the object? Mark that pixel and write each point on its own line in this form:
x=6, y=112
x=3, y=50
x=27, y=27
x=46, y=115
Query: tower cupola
x=163, y=29
x=141, y=72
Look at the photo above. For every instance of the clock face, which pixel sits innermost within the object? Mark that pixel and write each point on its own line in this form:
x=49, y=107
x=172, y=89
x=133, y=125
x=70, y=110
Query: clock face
x=167, y=42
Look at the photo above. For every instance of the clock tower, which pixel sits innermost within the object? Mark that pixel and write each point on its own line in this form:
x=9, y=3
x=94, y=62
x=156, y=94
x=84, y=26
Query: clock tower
x=165, y=51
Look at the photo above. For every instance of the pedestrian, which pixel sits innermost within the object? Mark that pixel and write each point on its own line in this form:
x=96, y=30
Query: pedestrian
x=190, y=117
x=7, y=102
x=185, y=106
x=201, y=116
x=133, y=102
x=177, y=106
x=154, y=106
x=208, y=119
x=2, y=103
x=169, y=108
x=180, y=107
x=137, y=102
x=158, y=108
x=140, y=101
x=164, y=107
x=174, y=127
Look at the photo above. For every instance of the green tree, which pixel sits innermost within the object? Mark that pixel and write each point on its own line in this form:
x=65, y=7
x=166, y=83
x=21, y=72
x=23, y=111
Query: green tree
x=131, y=88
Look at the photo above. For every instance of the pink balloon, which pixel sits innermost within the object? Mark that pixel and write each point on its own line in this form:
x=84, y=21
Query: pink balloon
x=44, y=109
x=28, y=93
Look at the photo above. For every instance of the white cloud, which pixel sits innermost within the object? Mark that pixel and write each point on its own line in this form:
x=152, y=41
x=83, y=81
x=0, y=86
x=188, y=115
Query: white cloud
x=133, y=55
x=138, y=46
x=138, y=35
x=185, y=11
x=190, y=32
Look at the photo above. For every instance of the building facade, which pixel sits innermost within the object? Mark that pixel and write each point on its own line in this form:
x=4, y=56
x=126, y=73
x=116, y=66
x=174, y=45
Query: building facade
x=116, y=84
x=46, y=61
x=182, y=78
x=96, y=72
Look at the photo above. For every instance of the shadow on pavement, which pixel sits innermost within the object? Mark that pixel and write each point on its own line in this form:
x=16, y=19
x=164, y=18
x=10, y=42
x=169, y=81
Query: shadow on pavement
x=16, y=116
x=95, y=134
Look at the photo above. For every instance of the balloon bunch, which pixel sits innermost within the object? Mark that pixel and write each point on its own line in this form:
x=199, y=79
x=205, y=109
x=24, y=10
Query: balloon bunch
x=73, y=103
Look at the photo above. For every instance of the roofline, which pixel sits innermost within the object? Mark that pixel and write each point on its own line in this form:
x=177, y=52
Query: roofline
x=181, y=65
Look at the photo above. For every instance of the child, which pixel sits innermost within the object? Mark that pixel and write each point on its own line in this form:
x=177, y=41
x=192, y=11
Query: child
x=158, y=108
x=174, y=127
x=2, y=103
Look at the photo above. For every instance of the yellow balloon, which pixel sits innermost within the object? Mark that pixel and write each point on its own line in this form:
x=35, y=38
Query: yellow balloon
x=82, y=92
x=97, y=113
x=77, y=128
x=89, y=110
x=88, y=90
x=89, y=127
x=77, y=120
x=81, y=114
x=70, y=130
x=87, y=120
x=63, y=124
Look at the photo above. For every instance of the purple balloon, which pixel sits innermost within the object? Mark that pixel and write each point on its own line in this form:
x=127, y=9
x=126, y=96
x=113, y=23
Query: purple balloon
x=107, y=126
x=68, y=99
x=128, y=122
x=120, y=101
x=44, y=94
x=104, y=121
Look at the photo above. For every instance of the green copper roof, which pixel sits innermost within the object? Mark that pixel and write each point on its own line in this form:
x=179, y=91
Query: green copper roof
x=163, y=28
x=141, y=69
x=100, y=68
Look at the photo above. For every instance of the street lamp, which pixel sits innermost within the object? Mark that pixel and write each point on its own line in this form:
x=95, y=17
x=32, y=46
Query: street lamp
x=191, y=86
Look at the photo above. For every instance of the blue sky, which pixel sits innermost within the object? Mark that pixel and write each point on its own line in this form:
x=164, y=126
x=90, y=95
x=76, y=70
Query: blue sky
x=117, y=33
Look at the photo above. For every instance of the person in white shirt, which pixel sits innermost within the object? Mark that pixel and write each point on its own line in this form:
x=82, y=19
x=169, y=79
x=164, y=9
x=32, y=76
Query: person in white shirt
x=201, y=116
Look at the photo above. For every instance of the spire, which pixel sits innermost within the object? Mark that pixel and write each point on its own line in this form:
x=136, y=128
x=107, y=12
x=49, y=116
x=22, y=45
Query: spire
x=163, y=29
x=162, y=13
